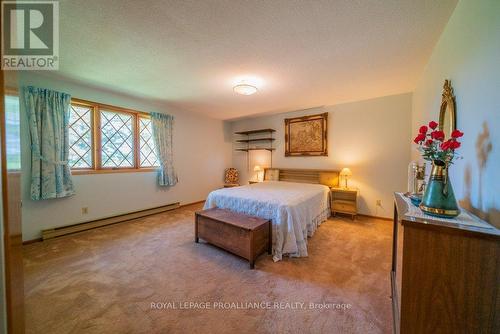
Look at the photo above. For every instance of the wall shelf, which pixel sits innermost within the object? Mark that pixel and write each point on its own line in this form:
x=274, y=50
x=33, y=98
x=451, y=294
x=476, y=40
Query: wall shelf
x=266, y=142
x=255, y=139
x=255, y=149
x=253, y=132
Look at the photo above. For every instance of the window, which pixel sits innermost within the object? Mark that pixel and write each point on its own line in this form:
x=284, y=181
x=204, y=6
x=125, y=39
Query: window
x=12, y=132
x=102, y=138
x=105, y=138
x=80, y=136
x=117, y=139
x=147, y=149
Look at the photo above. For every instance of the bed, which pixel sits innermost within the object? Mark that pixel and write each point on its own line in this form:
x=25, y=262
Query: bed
x=296, y=201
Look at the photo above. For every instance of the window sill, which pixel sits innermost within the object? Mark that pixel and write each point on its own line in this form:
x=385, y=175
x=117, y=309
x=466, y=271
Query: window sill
x=111, y=171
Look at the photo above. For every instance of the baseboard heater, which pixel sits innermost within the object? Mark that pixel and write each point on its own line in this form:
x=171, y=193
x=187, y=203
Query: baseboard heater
x=64, y=230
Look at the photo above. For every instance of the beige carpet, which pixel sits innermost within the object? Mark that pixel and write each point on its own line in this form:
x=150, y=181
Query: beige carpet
x=104, y=281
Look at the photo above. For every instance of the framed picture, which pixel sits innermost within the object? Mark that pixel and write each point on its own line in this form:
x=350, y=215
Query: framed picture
x=306, y=135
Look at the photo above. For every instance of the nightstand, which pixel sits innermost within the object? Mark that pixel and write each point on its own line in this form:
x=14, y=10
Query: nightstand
x=344, y=200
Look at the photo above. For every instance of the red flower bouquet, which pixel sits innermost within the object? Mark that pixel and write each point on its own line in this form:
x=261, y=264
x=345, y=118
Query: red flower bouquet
x=433, y=146
x=438, y=199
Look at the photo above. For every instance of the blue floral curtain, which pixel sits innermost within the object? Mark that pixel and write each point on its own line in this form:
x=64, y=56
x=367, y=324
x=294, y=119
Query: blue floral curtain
x=48, y=119
x=162, y=133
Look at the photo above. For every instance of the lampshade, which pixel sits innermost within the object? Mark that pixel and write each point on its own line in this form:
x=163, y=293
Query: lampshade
x=257, y=168
x=345, y=172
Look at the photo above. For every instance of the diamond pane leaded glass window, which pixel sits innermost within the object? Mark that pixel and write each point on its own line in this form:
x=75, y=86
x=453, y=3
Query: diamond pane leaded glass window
x=117, y=140
x=147, y=149
x=80, y=136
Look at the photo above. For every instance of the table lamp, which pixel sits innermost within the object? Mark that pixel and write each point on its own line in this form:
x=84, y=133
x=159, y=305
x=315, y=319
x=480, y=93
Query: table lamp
x=346, y=173
x=257, y=169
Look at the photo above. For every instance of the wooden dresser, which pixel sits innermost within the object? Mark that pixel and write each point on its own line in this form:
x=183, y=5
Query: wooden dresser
x=344, y=200
x=445, y=276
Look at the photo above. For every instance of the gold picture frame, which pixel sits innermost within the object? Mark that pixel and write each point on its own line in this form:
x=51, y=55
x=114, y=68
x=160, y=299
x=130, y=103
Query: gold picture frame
x=447, y=111
x=306, y=136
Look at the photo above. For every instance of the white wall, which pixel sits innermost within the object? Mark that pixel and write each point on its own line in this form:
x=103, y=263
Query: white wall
x=200, y=156
x=370, y=137
x=468, y=53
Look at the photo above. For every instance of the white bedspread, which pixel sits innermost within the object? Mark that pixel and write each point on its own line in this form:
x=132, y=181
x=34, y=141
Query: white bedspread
x=295, y=209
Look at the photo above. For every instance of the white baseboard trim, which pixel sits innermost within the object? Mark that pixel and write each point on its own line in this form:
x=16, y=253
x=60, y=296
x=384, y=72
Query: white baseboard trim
x=75, y=228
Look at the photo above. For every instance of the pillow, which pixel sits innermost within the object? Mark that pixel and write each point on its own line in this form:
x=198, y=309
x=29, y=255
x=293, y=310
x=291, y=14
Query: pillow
x=272, y=174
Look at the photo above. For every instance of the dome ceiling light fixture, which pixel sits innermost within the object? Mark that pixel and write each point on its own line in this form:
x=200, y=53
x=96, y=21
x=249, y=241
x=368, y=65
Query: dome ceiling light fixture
x=245, y=89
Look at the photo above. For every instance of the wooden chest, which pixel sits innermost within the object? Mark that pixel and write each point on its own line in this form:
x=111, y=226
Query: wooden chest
x=240, y=234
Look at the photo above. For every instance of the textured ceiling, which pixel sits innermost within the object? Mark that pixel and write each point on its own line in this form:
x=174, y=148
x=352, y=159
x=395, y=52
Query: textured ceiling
x=307, y=53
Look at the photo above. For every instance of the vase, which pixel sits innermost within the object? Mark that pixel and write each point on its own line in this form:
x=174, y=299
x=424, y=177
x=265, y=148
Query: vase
x=439, y=199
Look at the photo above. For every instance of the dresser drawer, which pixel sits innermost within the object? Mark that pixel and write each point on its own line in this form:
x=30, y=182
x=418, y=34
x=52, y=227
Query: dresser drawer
x=344, y=206
x=344, y=195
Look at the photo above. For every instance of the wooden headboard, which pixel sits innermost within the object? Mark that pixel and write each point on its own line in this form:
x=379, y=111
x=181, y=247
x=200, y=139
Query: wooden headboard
x=327, y=177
